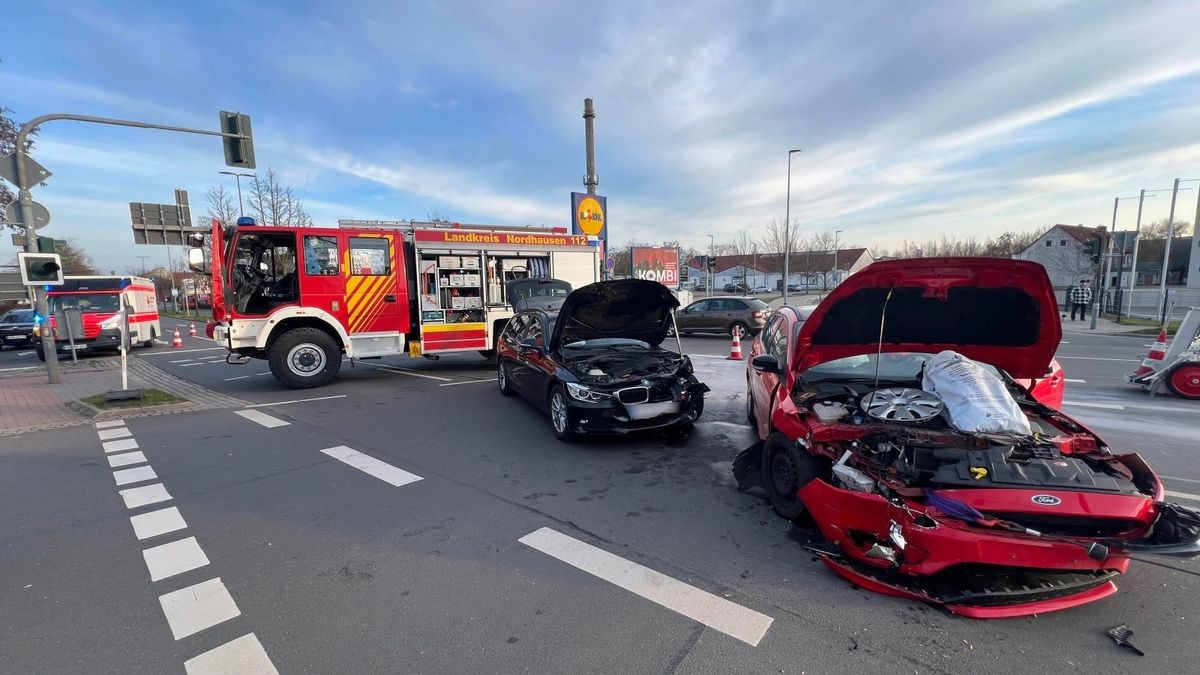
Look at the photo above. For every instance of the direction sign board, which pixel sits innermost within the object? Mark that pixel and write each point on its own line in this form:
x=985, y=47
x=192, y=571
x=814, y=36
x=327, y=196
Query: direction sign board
x=41, y=215
x=34, y=173
x=162, y=223
x=11, y=287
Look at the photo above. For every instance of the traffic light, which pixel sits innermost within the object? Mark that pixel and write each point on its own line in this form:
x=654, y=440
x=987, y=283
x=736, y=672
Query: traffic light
x=45, y=245
x=1096, y=248
x=40, y=269
x=712, y=264
x=239, y=152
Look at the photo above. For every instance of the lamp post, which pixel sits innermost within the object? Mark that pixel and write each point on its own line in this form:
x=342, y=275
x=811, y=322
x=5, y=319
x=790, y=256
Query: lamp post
x=712, y=272
x=238, y=178
x=787, y=226
x=836, y=276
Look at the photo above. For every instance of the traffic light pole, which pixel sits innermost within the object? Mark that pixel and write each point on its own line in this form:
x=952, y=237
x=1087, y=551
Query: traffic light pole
x=25, y=201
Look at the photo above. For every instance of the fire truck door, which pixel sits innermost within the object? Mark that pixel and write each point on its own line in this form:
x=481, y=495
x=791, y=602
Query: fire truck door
x=373, y=295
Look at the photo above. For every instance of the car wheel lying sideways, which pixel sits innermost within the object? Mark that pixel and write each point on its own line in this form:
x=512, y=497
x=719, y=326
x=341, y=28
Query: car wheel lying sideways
x=897, y=423
x=594, y=366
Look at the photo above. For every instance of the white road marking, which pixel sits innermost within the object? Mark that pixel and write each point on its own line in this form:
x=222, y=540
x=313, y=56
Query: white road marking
x=135, y=475
x=192, y=609
x=161, y=342
x=715, y=612
x=405, y=371
x=26, y=354
x=262, y=418
x=173, y=558
x=7, y=370
x=110, y=424
x=1106, y=406
x=1097, y=358
x=183, y=361
x=244, y=655
x=173, y=352
x=118, y=446
x=1186, y=480
x=455, y=384
x=126, y=459
x=266, y=373
x=735, y=425
x=298, y=400
x=145, y=495
x=1183, y=495
x=202, y=363
x=708, y=356
x=1064, y=342
x=239, y=377
x=367, y=464
x=109, y=434
x=1074, y=381
x=154, y=523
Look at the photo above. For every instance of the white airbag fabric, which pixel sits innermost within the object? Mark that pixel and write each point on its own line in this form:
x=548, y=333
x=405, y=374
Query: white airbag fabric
x=976, y=400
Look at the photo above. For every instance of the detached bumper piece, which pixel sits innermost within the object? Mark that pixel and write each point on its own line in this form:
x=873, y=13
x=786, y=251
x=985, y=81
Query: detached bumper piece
x=984, y=591
x=1176, y=532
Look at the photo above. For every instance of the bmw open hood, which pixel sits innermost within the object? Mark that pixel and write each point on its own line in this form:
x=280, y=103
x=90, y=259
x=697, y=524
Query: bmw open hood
x=999, y=311
x=622, y=308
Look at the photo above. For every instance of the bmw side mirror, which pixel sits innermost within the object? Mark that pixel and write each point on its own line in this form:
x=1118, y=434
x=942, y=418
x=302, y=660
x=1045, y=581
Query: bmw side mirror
x=529, y=345
x=766, y=363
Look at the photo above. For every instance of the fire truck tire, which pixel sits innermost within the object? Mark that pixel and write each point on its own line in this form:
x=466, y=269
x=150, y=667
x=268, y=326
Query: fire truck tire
x=303, y=358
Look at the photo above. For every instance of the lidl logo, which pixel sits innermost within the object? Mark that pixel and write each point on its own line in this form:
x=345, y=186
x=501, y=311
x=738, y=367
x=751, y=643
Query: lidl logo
x=590, y=216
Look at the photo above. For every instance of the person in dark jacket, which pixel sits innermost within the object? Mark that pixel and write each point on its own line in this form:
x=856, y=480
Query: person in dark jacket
x=1081, y=297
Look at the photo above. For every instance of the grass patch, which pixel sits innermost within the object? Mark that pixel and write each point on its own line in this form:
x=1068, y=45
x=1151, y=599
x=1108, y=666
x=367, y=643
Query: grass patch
x=150, y=397
x=1152, y=326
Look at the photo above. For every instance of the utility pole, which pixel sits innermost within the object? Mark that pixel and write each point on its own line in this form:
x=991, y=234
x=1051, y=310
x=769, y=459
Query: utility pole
x=1137, y=237
x=590, y=180
x=25, y=201
x=238, y=177
x=787, y=227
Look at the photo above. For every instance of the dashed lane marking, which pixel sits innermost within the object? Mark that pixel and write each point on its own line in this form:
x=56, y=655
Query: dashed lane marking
x=1106, y=406
x=1184, y=495
x=455, y=384
x=173, y=352
x=109, y=434
x=244, y=655
x=144, y=496
x=201, y=363
x=262, y=418
x=9, y=370
x=135, y=475
x=118, y=446
x=1133, y=406
x=297, y=400
x=194, y=608
x=382, y=470
x=125, y=459
x=1186, y=480
x=110, y=424
x=182, y=361
x=405, y=371
x=1097, y=358
x=715, y=612
x=173, y=558
x=239, y=377
x=735, y=425
x=154, y=523
x=1074, y=381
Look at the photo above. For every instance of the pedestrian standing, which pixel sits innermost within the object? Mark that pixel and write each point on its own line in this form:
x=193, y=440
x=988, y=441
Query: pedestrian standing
x=1081, y=297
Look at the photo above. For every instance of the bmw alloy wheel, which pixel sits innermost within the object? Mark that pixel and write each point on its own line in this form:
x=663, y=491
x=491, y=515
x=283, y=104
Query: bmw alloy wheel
x=558, y=412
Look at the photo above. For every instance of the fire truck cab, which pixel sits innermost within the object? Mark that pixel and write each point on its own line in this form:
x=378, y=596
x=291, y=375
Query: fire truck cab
x=304, y=297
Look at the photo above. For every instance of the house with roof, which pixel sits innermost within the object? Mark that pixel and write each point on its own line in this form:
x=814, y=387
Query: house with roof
x=1066, y=253
x=818, y=270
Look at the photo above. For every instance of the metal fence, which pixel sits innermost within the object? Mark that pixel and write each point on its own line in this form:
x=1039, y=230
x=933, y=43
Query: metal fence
x=1149, y=303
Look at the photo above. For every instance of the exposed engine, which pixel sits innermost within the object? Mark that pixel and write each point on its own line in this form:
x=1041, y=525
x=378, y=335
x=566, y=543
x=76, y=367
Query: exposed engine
x=613, y=365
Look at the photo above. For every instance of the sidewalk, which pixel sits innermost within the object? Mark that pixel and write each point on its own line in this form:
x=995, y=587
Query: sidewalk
x=1103, y=327
x=29, y=403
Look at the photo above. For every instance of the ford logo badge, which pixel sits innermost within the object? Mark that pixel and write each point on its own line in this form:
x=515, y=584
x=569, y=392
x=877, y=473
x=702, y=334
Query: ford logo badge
x=1046, y=500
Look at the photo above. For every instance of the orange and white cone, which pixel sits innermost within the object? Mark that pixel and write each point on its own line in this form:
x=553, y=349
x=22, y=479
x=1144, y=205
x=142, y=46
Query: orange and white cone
x=735, y=349
x=1153, y=360
x=192, y=329
x=177, y=341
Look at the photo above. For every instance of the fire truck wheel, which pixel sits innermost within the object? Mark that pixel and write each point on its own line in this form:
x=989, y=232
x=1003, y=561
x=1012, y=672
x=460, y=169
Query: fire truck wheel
x=304, y=357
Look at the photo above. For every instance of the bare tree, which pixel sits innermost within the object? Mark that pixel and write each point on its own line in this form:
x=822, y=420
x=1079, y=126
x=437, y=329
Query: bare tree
x=220, y=205
x=272, y=203
x=1158, y=229
x=775, y=241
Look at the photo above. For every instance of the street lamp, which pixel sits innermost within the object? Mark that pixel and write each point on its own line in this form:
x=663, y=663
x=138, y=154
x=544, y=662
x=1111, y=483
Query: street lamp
x=712, y=266
x=238, y=178
x=836, y=276
x=787, y=226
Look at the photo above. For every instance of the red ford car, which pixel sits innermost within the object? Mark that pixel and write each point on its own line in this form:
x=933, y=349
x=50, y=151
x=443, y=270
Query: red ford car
x=911, y=500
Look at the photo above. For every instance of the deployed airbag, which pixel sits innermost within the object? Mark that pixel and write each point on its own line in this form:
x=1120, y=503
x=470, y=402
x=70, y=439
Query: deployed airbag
x=976, y=400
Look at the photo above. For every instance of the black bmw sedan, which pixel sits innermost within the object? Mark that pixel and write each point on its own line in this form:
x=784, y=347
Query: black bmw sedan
x=595, y=365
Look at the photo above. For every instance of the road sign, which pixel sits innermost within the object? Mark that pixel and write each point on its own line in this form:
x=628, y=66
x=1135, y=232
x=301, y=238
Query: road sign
x=11, y=287
x=162, y=223
x=34, y=173
x=41, y=215
x=611, y=263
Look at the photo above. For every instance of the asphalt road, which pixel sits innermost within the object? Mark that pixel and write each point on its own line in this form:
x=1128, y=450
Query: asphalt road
x=342, y=561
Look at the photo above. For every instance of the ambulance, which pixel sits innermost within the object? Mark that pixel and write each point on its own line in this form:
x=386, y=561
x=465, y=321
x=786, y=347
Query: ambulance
x=302, y=298
x=100, y=299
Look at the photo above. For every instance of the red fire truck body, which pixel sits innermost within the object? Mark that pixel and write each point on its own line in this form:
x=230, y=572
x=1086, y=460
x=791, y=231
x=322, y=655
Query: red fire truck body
x=302, y=298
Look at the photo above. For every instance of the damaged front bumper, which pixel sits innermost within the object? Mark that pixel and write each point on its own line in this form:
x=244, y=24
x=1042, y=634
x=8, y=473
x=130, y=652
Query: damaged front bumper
x=610, y=416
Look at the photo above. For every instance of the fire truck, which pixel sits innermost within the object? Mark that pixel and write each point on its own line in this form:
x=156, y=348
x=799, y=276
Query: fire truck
x=99, y=300
x=304, y=297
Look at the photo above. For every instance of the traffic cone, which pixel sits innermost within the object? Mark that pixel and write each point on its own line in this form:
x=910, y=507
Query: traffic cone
x=192, y=329
x=1154, y=359
x=735, y=349
x=177, y=341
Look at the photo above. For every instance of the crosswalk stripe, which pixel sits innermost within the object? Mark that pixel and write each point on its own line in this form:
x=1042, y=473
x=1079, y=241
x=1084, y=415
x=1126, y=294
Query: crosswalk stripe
x=175, y=557
x=194, y=608
x=145, y=495
x=154, y=523
x=119, y=445
x=110, y=424
x=262, y=418
x=369, y=465
x=245, y=656
x=135, y=475
x=715, y=612
x=109, y=434
x=126, y=458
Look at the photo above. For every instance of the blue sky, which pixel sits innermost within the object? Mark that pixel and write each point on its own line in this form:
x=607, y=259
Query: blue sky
x=917, y=119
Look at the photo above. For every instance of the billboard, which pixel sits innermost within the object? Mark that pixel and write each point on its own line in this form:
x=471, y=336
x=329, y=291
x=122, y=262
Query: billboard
x=656, y=264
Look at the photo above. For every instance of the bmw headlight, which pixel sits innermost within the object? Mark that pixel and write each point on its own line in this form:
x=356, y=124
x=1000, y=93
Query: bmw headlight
x=582, y=393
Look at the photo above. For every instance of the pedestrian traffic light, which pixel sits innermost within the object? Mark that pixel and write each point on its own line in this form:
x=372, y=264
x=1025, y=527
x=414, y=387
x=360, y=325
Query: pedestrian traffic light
x=40, y=269
x=239, y=152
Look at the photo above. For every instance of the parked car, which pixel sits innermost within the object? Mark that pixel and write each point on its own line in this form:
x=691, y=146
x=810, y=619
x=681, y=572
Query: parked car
x=911, y=500
x=595, y=365
x=723, y=314
x=16, y=328
x=760, y=289
x=736, y=288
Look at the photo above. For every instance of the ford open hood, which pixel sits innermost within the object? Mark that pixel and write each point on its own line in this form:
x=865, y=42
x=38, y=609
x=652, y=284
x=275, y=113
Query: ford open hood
x=622, y=308
x=996, y=310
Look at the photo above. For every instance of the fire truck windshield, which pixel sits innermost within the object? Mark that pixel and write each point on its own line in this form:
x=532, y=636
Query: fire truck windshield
x=263, y=271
